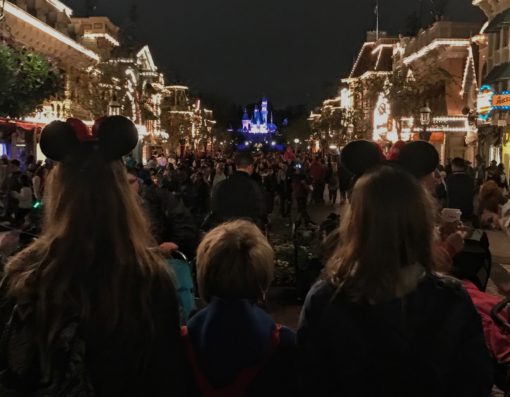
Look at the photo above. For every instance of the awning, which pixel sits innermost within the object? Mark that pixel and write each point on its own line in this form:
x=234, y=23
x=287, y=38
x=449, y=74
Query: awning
x=498, y=73
x=498, y=22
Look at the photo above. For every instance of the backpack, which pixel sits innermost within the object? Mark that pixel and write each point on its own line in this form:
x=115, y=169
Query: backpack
x=184, y=285
x=243, y=380
x=23, y=372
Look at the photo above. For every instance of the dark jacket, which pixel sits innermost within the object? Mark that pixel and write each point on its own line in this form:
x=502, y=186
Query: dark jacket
x=429, y=343
x=170, y=220
x=239, y=197
x=149, y=363
x=460, y=192
x=229, y=336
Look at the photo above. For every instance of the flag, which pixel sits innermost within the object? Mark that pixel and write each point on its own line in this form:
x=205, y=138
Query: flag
x=376, y=8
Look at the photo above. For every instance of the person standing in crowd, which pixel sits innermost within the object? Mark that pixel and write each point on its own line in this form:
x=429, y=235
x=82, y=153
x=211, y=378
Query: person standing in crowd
x=269, y=186
x=219, y=176
x=503, y=182
x=492, y=172
x=201, y=202
x=318, y=173
x=381, y=314
x=172, y=225
x=460, y=189
x=4, y=171
x=479, y=171
x=333, y=183
x=38, y=182
x=89, y=309
x=162, y=161
x=12, y=185
x=284, y=180
x=233, y=347
x=301, y=192
x=490, y=199
x=25, y=199
x=345, y=178
x=238, y=197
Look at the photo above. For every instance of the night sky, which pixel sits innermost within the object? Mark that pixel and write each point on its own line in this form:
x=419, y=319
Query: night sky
x=293, y=51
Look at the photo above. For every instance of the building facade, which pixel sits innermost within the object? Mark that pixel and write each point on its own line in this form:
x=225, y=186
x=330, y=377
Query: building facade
x=494, y=76
x=102, y=76
x=439, y=67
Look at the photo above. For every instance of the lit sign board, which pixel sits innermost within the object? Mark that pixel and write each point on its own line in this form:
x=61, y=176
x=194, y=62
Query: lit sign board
x=485, y=102
x=488, y=100
x=501, y=101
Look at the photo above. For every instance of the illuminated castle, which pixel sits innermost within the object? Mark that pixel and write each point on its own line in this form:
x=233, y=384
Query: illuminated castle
x=260, y=123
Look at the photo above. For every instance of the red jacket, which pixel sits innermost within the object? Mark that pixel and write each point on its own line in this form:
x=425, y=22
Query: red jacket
x=497, y=341
x=317, y=171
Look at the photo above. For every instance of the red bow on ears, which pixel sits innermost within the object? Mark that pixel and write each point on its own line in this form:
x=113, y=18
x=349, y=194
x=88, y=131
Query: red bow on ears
x=84, y=133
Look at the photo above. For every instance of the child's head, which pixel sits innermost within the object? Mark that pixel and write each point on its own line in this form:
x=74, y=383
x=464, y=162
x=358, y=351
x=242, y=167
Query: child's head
x=234, y=261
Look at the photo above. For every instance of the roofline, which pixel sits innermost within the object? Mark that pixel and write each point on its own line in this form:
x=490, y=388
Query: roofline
x=38, y=24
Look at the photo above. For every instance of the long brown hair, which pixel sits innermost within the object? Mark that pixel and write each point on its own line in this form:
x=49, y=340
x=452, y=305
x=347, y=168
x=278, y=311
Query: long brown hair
x=386, y=232
x=94, y=256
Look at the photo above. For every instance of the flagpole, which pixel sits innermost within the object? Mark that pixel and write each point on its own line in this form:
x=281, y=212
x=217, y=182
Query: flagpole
x=377, y=19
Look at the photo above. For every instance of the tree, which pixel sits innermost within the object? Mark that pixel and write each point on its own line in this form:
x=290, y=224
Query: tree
x=408, y=90
x=27, y=79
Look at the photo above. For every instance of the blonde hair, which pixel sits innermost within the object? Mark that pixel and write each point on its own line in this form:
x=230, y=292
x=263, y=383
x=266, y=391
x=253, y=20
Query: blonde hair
x=234, y=261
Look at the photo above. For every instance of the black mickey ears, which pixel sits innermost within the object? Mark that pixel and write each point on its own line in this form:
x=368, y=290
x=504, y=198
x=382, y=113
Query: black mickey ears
x=58, y=139
x=117, y=136
x=113, y=136
x=420, y=158
x=359, y=156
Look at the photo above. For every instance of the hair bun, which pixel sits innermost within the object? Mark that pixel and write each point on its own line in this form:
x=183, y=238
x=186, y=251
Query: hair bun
x=420, y=158
x=117, y=136
x=58, y=139
x=359, y=156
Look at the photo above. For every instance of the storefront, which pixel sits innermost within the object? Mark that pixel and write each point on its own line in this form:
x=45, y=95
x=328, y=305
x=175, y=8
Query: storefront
x=18, y=139
x=494, y=130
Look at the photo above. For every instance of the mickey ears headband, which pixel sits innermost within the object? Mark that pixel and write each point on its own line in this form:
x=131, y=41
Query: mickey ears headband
x=113, y=137
x=420, y=158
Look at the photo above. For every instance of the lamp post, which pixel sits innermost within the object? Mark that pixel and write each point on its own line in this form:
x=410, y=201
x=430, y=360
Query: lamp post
x=114, y=107
x=350, y=131
x=296, y=141
x=425, y=122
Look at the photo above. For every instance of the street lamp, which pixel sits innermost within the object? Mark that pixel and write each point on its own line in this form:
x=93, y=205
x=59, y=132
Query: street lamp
x=114, y=107
x=425, y=122
x=350, y=131
x=296, y=141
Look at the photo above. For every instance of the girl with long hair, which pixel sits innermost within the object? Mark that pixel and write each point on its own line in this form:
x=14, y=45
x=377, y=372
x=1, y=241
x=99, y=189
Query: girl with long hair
x=382, y=323
x=90, y=302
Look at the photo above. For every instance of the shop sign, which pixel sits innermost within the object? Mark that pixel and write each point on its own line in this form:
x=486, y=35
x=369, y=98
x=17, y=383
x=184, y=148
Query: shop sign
x=501, y=101
x=485, y=102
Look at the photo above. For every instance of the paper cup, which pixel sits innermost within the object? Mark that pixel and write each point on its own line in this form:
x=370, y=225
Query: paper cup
x=451, y=215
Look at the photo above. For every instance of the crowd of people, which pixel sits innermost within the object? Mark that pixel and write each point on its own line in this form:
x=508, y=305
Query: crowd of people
x=90, y=308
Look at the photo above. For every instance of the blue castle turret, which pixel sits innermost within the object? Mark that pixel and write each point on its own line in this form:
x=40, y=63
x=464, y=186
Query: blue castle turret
x=261, y=122
x=246, y=120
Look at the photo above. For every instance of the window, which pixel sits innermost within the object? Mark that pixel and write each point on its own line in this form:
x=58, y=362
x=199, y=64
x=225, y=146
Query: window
x=505, y=36
x=98, y=26
x=87, y=26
